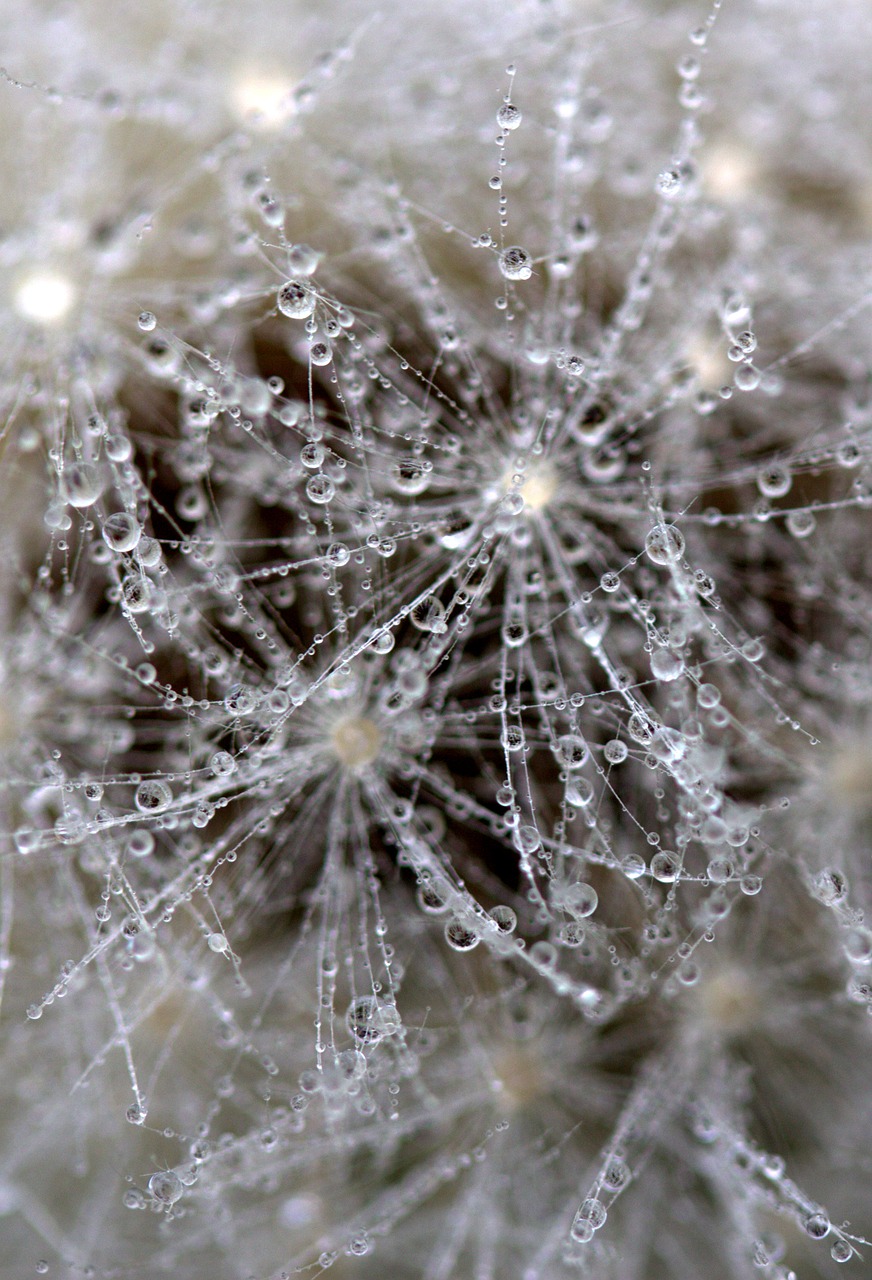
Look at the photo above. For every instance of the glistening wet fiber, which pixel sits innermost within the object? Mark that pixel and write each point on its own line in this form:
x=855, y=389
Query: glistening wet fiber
x=434, y=713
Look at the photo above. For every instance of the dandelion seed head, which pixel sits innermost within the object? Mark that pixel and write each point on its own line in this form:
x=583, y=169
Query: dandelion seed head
x=519, y=1077
x=730, y=171
x=728, y=1000
x=44, y=297
x=356, y=741
x=538, y=486
x=262, y=98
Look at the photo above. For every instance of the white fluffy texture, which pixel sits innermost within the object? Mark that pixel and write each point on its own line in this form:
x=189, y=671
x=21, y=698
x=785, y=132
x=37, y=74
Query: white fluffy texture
x=434, y=730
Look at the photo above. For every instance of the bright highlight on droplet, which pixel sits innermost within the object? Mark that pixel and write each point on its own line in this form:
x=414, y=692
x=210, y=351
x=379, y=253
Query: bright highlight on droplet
x=262, y=98
x=356, y=741
x=44, y=297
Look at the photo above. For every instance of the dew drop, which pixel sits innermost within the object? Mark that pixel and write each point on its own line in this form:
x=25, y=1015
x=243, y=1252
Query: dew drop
x=82, y=483
x=153, y=797
x=504, y=918
x=746, y=377
x=459, y=936
x=580, y=900
x=801, y=524
x=664, y=544
x=165, y=1188
x=121, y=532
x=817, y=1226
x=774, y=481
x=296, y=300
x=429, y=615
x=589, y=1218
x=410, y=475
x=516, y=263
x=320, y=489
x=508, y=116
x=665, y=867
x=321, y=353
x=571, y=751
x=666, y=665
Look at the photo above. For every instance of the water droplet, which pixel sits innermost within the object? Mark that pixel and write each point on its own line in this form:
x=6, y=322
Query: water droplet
x=321, y=353
x=411, y=475
x=320, y=489
x=121, y=532
x=527, y=839
x=140, y=844
x=146, y=320
x=774, y=481
x=165, y=1187
x=138, y=594
x=665, y=867
x=429, y=615
x=817, y=1226
x=666, y=665
x=383, y=642
x=222, y=764
x=504, y=918
x=296, y=300
x=746, y=377
x=460, y=936
x=579, y=793
x=363, y=1020
x=580, y=900
x=669, y=183
x=571, y=751
x=508, y=116
x=303, y=259
x=148, y=552
x=830, y=886
x=633, y=866
x=82, y=483
x=433, y=898
x=589, y=1218
x=664, y=544
x=312, y=455
x=516, y=263
x=514, y=634
x=801, y=524
x=616, y=1174
x=153, y=797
